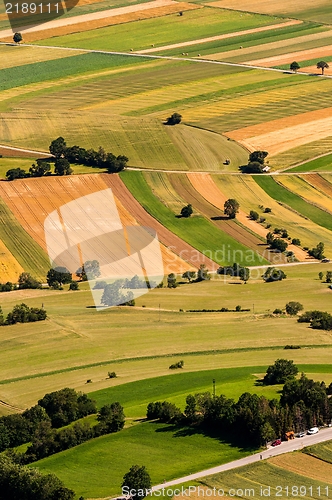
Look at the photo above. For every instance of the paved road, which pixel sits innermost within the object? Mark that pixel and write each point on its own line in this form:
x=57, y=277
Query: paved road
x=296, y=444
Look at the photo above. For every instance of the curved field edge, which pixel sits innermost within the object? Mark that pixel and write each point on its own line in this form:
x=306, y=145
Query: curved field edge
x=197, y=231
x=281, y=194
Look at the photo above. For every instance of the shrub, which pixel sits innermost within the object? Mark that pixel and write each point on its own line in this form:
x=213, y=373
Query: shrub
x=238, y=308
x=296, y=241
x=253, y=215
x=267, y=210
x=278, y=311
x=112, y=375
x=174, y=366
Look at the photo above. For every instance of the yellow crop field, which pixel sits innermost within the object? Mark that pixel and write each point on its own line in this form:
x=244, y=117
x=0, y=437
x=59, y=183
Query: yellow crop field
x=10, y=269
x=302, y=188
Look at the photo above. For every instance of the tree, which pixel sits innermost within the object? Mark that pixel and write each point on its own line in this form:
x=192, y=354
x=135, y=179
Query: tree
x=59, y=275
x=92, y=269
x=15, y=173
x=231, y=207
x=292, y=308
x=253, y=215
x=174, y=119
x=40, y=168
x=322, y=65
x=203, y=273
x=111, y=417
x=73, y=285
x=318, y=251
x=25, y=280
x=296, y=241
x=294, y=66
x=58, y=147
x=273, y=274
x=187, y=211
x=114, y=295
x=189, y=275
x=279, y=244
x=281, y=371
x=320, y=275
x=2, y=319
x=17, y=37
x=328, y=276
x=244, y=273
x=62, y=167
x=136, y=482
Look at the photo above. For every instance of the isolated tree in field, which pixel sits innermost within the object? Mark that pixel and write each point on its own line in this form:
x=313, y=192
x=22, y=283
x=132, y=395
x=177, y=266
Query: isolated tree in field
x=189, y=275
x=253, y=215
x=322, y=65
x=320, y=275
x=328, y=278
x=136, y=482
x=231, y=207
x=17, y=37
x=258, y=156
x=281, y=371
x=174, y=119
x=203, y=273
x=292, y=308
x=62, y=167
x=294, y=66
x=58, y=147
x=186, y=211
x=171, y=280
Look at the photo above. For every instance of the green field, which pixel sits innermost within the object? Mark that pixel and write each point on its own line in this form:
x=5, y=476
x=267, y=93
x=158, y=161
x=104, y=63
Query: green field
x=323, y=164
x=161, y=31
x=283, y=195
x=322, y=451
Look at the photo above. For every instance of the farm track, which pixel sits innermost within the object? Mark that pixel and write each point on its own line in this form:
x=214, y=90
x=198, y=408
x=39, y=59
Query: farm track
x=178, y=246
x=186, y=190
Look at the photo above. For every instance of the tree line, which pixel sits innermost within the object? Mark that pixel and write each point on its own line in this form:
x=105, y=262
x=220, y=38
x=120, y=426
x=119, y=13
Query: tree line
x=63, y=156
x=254, y=419
x=21, y=313
x=43, y=425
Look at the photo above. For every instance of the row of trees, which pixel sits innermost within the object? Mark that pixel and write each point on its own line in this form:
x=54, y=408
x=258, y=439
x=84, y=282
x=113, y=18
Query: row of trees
x=89, y=157
x=322, y=65
x=21, y=313
x=256, y=163
x=319, y=320
x=255, y=419
x=40, y=168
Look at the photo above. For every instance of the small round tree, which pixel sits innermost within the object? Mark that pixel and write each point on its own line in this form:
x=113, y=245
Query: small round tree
x=17, y=37
x=186, y=211
x=322, y=65
x=292, y=308
x=280, y=372
x=174, y=119
x=231, y=207
x=294, y=66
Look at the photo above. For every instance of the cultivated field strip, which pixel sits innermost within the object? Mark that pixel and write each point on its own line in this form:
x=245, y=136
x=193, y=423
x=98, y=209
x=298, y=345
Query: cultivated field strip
x=10, y=269
x=307, y=191
x=251, y=197
x=303, y=153
x=245, y=239
x=176, y=244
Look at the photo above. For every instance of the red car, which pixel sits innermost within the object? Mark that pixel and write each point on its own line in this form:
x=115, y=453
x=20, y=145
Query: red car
x=276, y=442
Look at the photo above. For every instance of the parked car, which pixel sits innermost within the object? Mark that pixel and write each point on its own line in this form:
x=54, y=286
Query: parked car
x=276, y=442
x=300, y=434
x=313, y=430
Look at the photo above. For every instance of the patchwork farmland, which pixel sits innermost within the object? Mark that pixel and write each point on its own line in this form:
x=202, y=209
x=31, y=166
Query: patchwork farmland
x=107, y=76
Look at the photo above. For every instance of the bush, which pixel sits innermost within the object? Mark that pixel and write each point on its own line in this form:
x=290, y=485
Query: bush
x=187, y=211
x=292, y=308
x=278, y=311
x=174, y=366
x=318, y=251
x=292, y=346
x=73, y=285
x=112, y=375
x=253, y=215
x=174, y=119
x=238, y=308
x=267, y=210
x=281, y=371
x=296, y=241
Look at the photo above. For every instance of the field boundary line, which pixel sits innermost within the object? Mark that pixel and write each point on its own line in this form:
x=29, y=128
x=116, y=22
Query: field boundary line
x=172, y=58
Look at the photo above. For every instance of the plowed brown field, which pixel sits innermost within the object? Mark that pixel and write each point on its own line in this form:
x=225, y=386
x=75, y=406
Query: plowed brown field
x=33, y=199
x=187, y=191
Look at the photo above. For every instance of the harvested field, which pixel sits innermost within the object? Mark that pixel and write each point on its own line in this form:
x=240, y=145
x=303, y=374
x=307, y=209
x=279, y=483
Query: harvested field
x=303, y=55
x=170, y=240
x=247, y=242
x=304, y=465
x=32, y=200
x=304, y=154
x=306, y=190
x=319, y=182
x=319, y=11
x=86, y=22
x=219, y=37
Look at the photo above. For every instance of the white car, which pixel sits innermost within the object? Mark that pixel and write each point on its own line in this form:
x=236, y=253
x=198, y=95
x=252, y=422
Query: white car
x=313, y=430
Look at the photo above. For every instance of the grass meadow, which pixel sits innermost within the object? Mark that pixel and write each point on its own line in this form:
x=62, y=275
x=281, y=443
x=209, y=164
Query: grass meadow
x=323, y=164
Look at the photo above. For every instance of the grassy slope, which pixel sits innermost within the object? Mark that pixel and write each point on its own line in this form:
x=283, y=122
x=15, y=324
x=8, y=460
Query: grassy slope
x=197, y=231
x=283, y=195
x=323, y=164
